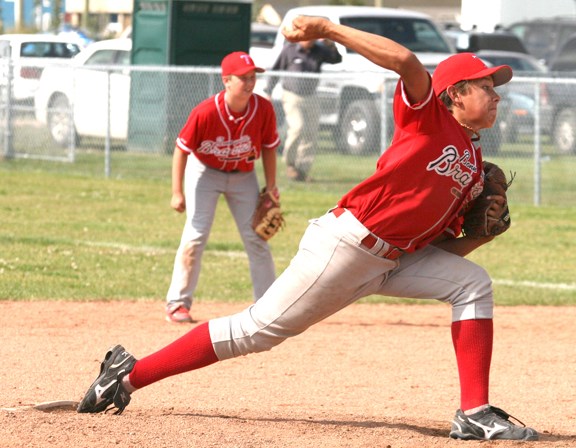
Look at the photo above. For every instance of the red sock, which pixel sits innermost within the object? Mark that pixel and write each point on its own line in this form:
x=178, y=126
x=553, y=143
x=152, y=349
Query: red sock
x=190, y=352
x=473, y=346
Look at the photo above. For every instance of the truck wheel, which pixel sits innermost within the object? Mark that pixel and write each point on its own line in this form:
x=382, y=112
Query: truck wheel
x=360, y=128
x=564, y=132
x=60, y=122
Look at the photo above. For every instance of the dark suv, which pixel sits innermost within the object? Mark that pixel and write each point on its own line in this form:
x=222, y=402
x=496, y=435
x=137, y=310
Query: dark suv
x=542, y=37
x=475, y=41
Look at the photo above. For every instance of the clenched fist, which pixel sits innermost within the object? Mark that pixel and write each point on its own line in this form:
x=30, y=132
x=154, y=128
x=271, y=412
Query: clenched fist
x=306, y=28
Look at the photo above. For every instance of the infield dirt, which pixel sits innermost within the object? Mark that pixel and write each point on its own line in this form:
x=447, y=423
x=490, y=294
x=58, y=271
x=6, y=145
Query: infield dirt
x=370, y=376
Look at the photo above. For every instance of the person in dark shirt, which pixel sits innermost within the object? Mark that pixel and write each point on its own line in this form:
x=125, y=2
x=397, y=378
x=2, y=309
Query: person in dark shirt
x=301, y=107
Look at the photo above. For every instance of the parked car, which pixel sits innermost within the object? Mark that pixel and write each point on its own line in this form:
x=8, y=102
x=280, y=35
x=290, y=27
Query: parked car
x=350, y=92
x=520, y=114
x=563, y=59
x=80, y=100
x=543, y=37
x=475, y=41
x=262, y=37
x=562, y=96
x=29, y=54
x=521, y=63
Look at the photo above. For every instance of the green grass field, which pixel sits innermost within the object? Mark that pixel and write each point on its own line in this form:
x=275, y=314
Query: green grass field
x=69, y=233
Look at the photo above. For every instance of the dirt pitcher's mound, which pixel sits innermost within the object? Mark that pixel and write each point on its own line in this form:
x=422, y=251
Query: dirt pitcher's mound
x=370, y=376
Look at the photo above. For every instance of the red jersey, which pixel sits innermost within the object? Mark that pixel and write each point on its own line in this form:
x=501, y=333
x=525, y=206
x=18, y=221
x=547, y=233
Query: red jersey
x=423, y=181
x=228, y=141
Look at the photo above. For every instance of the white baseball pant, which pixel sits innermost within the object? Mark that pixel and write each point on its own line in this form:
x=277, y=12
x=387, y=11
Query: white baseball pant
x=332, y=270
x=203, y=187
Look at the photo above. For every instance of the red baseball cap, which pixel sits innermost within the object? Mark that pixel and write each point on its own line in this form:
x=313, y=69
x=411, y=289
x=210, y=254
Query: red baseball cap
x=466, y=67
x=239, y=63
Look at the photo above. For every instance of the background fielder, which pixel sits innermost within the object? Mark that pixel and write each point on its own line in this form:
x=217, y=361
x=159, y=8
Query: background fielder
x=214, y=155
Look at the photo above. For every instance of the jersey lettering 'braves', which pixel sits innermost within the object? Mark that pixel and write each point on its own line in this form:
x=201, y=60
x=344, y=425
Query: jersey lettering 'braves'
x=227, y=141
x=449, y=164
x=430, y=172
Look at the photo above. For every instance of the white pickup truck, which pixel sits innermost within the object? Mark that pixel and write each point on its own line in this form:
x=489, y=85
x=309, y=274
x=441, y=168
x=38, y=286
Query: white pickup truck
x=83, y=99
x=353, y=92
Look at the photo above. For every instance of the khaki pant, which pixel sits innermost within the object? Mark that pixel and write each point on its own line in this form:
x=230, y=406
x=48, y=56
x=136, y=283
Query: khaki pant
x=203, y=189
x=303, y=120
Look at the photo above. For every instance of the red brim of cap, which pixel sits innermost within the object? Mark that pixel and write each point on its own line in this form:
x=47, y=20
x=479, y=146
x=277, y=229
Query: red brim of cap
x=247, y=70
x=500, y=74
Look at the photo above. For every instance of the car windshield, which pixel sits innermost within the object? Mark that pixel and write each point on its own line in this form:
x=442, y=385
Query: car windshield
x=418, y=35
x=49, y=50
x=262, y=38
x=104, y=57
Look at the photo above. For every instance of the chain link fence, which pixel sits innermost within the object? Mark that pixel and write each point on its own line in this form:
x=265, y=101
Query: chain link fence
x=122, y=122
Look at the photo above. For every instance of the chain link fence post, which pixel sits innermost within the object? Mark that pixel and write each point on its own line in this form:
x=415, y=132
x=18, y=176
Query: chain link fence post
x=107, y=152
x=6, y=111
x=537, y=146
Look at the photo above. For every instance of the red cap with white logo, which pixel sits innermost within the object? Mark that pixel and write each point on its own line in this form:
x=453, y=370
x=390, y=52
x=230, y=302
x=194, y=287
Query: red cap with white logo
x=466, y=67
x=239, y=63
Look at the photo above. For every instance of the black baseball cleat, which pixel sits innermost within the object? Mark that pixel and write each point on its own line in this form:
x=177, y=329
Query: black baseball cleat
x=491, y=423
x=107, y=392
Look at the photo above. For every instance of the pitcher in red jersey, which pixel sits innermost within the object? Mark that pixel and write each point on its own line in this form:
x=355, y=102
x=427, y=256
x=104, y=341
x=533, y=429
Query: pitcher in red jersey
x=397, y=233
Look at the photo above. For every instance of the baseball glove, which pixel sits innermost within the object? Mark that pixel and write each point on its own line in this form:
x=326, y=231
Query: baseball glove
x=267, y=219
x=477, y=223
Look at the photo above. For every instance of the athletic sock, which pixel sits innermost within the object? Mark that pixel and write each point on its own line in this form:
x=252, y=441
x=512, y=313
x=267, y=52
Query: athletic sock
x=472, y=341
x=190, y=352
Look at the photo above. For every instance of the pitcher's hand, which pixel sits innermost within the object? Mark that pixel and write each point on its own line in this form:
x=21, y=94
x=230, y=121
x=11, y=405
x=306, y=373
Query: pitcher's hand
x=306, y=28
